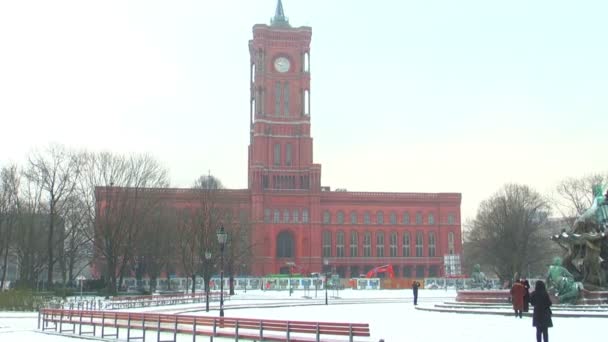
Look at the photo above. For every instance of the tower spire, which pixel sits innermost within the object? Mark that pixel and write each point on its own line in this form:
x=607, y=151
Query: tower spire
x=279, y=16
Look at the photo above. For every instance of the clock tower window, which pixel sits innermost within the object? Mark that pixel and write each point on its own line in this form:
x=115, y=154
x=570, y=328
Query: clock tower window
x=277, y=154
x=286, y=98
x=288, y=154
x=277, y=99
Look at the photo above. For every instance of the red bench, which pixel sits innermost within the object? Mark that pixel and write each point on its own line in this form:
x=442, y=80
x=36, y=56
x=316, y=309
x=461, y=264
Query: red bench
x=238, y=328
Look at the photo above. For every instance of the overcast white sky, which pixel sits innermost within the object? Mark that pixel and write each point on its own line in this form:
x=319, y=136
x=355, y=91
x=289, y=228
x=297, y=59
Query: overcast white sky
x=407, y=96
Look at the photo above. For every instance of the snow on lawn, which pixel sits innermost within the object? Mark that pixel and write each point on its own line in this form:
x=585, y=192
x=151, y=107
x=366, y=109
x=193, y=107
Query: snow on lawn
x=390, y=313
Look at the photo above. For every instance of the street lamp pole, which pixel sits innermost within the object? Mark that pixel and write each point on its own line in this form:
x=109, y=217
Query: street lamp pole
x=206, y=276
x=326, y=263
x=221, y=238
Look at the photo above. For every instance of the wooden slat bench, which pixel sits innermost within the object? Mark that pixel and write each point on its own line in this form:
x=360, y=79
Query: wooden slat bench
x=237, y=328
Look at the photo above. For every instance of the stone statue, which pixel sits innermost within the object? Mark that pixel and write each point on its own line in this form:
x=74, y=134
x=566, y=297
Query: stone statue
x=479, y=279
x=586, y=245
x=562, y=282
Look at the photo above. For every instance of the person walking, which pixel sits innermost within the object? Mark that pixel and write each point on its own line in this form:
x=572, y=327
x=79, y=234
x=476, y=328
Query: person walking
x=541, y=317
x=517, y=297
x=415, y=286
x=526, y=284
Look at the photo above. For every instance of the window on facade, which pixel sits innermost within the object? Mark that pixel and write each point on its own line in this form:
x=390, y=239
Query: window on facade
x=451, y=219
x=340, y=244
x=286, y=216
x=367, y=244
x=380, y=217
x=433, y=271
x=354, y=271
x=340, y=217
x=304, y=215
x=277, y=99
x=286, y=98
x=407, y=271
x=326, y=243
x=451, y=243
x=406, y=244
x=353, y=217
x=366, y=218
x=393, y=247
x=354, y=244
x=277, y=216
x=277, y=154
x=431, y=244
x=431, y=218
x=295, y=216
x=285, y=245
x=393, y=218
x=419, y=271
x=380, y=244
x=418, y=218
x=419, y=240
x=326, y=217
x=266, y=215
x=406, y=218
x=288, y=154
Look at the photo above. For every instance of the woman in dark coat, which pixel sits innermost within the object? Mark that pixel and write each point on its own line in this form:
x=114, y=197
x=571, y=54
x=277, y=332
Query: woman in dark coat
x=541, y=318
x=526, y=294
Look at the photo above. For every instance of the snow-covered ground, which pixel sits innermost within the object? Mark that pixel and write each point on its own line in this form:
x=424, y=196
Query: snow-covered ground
x=390, y=313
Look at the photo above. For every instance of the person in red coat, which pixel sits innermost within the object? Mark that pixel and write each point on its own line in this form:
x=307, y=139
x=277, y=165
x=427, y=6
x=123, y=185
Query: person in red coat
x=517, y=297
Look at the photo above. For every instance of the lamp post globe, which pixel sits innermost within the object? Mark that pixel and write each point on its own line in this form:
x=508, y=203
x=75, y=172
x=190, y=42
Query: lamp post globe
x=221, y=238
x=206, y=276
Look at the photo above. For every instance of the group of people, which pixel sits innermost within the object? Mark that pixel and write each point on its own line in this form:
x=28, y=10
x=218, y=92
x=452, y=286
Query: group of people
x=540, y=300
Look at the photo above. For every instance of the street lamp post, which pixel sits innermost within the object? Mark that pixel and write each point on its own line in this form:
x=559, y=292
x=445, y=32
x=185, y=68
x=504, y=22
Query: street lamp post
x=221, y=238
x=206, y=276
x=326, y=263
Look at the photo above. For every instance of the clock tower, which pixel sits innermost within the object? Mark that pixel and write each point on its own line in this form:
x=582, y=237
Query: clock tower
x=281, y=170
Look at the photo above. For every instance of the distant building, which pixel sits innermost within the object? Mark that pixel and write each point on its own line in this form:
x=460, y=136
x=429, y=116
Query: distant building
x=297, y=221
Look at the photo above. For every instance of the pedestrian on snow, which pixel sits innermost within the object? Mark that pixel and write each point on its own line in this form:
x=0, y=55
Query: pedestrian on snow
x=415, y=286
x=526, y=295
x=517, y=298
x=541, y=318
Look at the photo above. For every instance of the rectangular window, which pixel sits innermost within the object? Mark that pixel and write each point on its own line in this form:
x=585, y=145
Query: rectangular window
x=406, y=244
x=451, y=219
x=277, y=216
x=380, y=217
x=451, y=243
x=288, y=154
x=286, y=98
x=367, y=245
x=354, y=244
x=380, y=244
x=326, y=244
x=277, y=99
x=295, y=216
x=265, y=183
x=431, y=244
x=266, y=215
x=305, y=216
x=419, y=246
x=393, y=218
x=277, y=154
x=286, y=216
x=353, y=218
x=406, y=218
x=418, y=218
x=340, y=244
x=366, y=218
x=431, y=218
x=326, y=217
x=393, y=247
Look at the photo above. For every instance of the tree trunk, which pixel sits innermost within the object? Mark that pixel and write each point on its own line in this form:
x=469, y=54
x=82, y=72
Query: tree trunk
x=50, y=243
x=193, y=282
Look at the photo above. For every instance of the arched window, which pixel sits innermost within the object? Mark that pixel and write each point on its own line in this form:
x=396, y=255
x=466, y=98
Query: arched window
x=340, y=244
x=451, y=219
x=431, y=218
x=353, y=217
x=277, y=216
x=367, y=244
x=431, y=244
x=366, y=218
x=393, y=244
x=406, y=218
x=406, y=244
x=393, y=218
x=304, y=215
x=418, y=218
x=380, y=217
x=295, y=216
x=286, y=216
x=326, y=243
x=451, y=243
x=326, y=217
x=380, y=244
x=419, y=246
x=340, y=217
x=354, y=244
x=285, y=245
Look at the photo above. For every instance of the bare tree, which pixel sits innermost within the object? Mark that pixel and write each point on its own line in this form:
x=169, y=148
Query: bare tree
x=120, y=206
x=56, y=170
x=9, y=201
x=77, y=245
x=574, y=195
x=507, y=233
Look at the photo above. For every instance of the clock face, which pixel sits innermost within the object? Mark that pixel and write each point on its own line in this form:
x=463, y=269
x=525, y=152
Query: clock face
x=281, y=64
